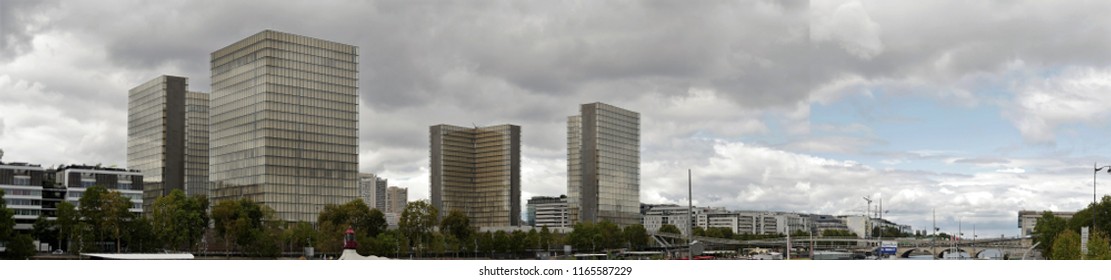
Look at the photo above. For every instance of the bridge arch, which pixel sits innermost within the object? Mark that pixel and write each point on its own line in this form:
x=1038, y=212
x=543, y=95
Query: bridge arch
x=957, y=251
x=991, y=253
x=908, y=253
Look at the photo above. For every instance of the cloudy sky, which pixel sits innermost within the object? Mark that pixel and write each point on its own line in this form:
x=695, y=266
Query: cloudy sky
x=976, y=109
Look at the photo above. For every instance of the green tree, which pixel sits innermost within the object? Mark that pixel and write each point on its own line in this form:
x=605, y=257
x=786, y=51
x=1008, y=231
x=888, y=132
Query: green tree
x=1098, y=247
x=546, y=237
x=107, y=213
x=301, y=235
x=636, y=236
x=335, y=219
x=417, y=221
x=518, y=242
x=1066, y=246
x=249, y=225
x=43, y=229
x=141, y=236
x=20, y=247
x=609, y=235
x=67, y=220
x=583, y=237
x=7, y=220
x=670, y=228
x=456, y=224
x=180, y=221
x=1046, y=231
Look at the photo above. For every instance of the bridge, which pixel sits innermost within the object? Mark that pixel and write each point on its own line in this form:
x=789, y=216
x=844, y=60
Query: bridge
x=1012, y=248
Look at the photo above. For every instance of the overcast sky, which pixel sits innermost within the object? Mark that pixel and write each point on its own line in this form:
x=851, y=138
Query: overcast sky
x=977, y=109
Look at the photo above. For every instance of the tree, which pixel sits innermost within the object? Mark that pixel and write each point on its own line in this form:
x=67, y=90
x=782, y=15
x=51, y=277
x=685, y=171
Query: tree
x=545, y=236
x=456, y=224
x=249, y=225
x=335, y=219
x=141, y=236
x=180, y=221
x=1066, y=246
x=7, y=220
x=67, y=220
x=301, y=235
x=43, y=229
x=636, y=236
x=20, y=247
x=417, y=221
x=1047, y=229
x=670, y=228
x=1098, y=247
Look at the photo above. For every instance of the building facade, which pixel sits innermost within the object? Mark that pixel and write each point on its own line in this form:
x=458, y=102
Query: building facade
x=372, y=190
x=22, y=184
x=603, y=165
x=477, y=171
x=1028, y=219
x=546, y=211
x=396, y=199
x=167, y=137
x=670, y=214
x=284, y=121
x=77, y=179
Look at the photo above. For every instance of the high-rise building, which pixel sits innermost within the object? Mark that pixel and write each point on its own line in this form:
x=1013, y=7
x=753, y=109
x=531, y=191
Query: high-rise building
x=603, y=165
x=167, y=137
x=396, y=199
x=372, y=190
x=285, y=123
x=477, y=171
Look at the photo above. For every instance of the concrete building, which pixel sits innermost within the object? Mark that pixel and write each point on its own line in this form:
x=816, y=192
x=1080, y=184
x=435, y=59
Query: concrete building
x=285, y=123
x=753, y=222
x=372, y=190
x=396, y=199
x=167, y=137
x=821, y=223
x=1028, y=219
x=477, y=170
x=603, y=165
x=679, y=216
x=547, y=211
x=23, y=192
x=77, y=179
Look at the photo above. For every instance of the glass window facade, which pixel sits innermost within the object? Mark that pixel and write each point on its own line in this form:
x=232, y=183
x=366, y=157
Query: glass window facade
x=477, y=171
x=168, y=137
x=604, y=177
x=284, y=119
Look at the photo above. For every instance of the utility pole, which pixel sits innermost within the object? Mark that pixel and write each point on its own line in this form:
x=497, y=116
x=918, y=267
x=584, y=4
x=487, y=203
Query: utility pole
x=933, y=241
x=690, y=212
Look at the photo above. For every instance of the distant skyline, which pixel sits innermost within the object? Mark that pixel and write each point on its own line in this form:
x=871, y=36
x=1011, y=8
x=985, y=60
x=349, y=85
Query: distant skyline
x=975, y=109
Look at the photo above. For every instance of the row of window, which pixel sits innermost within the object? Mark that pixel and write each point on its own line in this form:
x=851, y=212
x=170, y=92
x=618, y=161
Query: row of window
x=22, y=192
x=22, y=202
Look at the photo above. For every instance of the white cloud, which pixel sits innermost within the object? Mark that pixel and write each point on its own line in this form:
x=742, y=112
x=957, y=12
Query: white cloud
x=850, y=27
x=1075, y=95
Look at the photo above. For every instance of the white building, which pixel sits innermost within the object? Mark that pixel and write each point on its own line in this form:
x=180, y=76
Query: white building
x=657, y=216
x=549, y=212
x=23, y=193
x=78, y=178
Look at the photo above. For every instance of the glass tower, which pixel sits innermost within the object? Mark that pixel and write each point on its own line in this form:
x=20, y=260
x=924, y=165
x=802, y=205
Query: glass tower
x=285, y=123
x=478, y=171
x=167, y=137
x=603, y=165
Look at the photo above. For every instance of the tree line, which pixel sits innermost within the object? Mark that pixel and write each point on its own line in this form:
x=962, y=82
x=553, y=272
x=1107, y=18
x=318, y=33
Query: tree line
x=1059, y=238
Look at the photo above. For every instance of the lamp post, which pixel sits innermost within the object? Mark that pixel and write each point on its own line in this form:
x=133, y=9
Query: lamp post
x=868, y=218
x=1095, y=212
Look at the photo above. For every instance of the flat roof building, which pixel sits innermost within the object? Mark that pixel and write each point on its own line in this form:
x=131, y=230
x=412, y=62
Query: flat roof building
x=78, y=178
x=477, y=171
x=167, y=137
x=547, y=211
x=1028, y=219
x=22, y=184
x=284, y=123
x=603, y=165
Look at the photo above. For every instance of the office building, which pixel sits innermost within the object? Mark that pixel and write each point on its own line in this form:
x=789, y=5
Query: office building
x=77, y=179
x=396, y=199
x=546, y=211
x=167, y=137
x=23, y=192
x=477, y=171
x=603, y=165
x=372, y=190
x=1027, y=219
x=284, y=123
x=670, y=214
